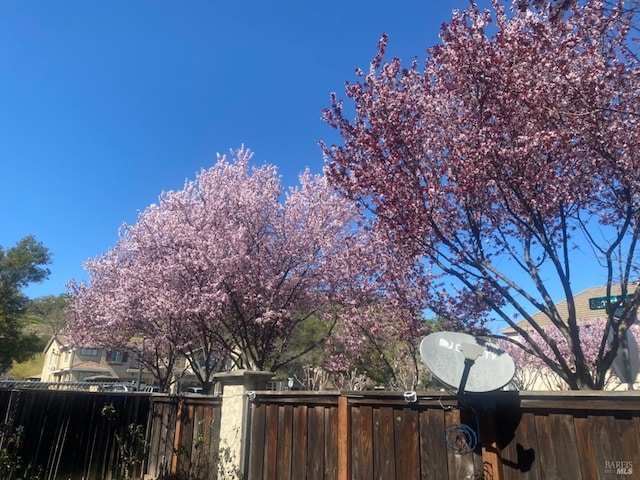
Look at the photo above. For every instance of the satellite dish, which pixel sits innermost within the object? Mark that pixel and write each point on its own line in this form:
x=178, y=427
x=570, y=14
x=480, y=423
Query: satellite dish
x=465, y=362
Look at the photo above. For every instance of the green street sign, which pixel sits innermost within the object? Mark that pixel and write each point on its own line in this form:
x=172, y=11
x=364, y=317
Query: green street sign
x=600, y=303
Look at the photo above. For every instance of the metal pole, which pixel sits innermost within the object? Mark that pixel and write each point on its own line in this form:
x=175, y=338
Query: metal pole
x=140, y=367
x=73, y=354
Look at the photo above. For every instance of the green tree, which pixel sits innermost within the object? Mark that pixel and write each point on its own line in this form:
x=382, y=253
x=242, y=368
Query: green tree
x=19, y=266
x=50, y=309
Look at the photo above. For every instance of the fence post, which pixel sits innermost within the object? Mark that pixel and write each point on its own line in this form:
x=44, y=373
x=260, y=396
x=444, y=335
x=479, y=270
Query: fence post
x=177, y=437
x=235, y=419
x=344, y=438
x=492, y=463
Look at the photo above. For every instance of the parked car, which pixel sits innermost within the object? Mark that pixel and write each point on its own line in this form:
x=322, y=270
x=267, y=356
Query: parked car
x=117, y=387
x=193, y=390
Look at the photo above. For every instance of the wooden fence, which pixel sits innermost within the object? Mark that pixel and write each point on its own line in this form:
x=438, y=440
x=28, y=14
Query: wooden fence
x=495, y=436
x=77, y=434
x=348, y=435
x=294, y=436
x=183, y=434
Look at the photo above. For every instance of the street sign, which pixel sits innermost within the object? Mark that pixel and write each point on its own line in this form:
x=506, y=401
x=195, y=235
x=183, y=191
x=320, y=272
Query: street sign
x=600, y=303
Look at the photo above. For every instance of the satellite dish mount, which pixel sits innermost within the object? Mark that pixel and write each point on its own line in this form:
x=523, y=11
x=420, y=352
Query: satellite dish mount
x=471, y=353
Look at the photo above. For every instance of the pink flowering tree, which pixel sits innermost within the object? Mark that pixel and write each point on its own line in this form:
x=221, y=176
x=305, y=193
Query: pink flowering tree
x=504, y=166
x=533, y=374
x=225, y=270
x=380, y=342
x=378, y=337
x=106, y=312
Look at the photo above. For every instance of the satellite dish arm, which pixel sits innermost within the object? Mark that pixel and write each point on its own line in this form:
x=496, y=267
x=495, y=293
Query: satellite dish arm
x=465, y=374
x=471, y=353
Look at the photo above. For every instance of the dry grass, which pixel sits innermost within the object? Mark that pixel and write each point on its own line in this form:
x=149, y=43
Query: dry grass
x=30, y=368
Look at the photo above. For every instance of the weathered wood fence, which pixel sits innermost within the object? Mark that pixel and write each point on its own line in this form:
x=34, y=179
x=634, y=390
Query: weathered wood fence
x=183, y=437
x=348, y=435
x=76, y=434
x=294, y=436
x=502, y=435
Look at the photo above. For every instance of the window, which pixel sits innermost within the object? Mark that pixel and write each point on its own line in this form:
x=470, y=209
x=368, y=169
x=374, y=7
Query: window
x=83, y=375
x=116, y=356
x=89, y=352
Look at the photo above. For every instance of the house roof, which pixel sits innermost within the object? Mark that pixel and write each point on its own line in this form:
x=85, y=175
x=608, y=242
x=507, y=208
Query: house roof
x=61, y=340
x=88, y=367
x=64, y=343
x=583, y=310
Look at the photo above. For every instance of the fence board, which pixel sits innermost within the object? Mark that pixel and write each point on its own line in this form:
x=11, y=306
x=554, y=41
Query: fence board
x=362, y=441
x=490, y=451
x=163, y=427
x=472, y=418
x=154, y=425
x=585, y=445
x=315, y=452
x=202, y=453
x=299, y=448
x=91, y=466
x=519, y=441
x=383, y=445
x=185, y=438
x=459, y=465
x=331, y=443
x=433, y=453
x=628, y=437
x=169, y=431
x=257, y=441
x=285, y=420
x=558, y=455
x=343, y=441
x=407, y=442
x=213, y=416
x=598, y=430
x=198, y=458
x=271, y=443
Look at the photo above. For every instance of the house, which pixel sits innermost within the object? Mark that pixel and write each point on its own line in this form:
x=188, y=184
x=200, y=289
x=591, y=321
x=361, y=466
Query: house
x=590, y=306
x=184, y=378
x=584, y=311
x=66, y=363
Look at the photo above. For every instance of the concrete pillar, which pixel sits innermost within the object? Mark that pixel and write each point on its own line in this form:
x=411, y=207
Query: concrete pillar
x=234, y=419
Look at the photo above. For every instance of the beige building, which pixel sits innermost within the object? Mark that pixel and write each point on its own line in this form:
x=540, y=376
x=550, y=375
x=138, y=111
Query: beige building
x=585, y=310
x=65, y=363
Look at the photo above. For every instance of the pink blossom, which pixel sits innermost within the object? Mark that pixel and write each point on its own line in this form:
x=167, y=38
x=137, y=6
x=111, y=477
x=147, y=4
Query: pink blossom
x=496, y=167
x=225, y=269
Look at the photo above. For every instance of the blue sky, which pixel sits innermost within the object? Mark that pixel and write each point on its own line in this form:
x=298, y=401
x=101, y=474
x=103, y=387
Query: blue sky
x=104, y=105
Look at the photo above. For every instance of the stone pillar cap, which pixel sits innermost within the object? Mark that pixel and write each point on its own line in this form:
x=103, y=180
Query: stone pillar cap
x=251, y=379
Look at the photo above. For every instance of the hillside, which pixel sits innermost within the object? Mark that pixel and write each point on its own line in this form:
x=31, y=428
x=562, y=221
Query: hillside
x=33, y=324
x=33, y=366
